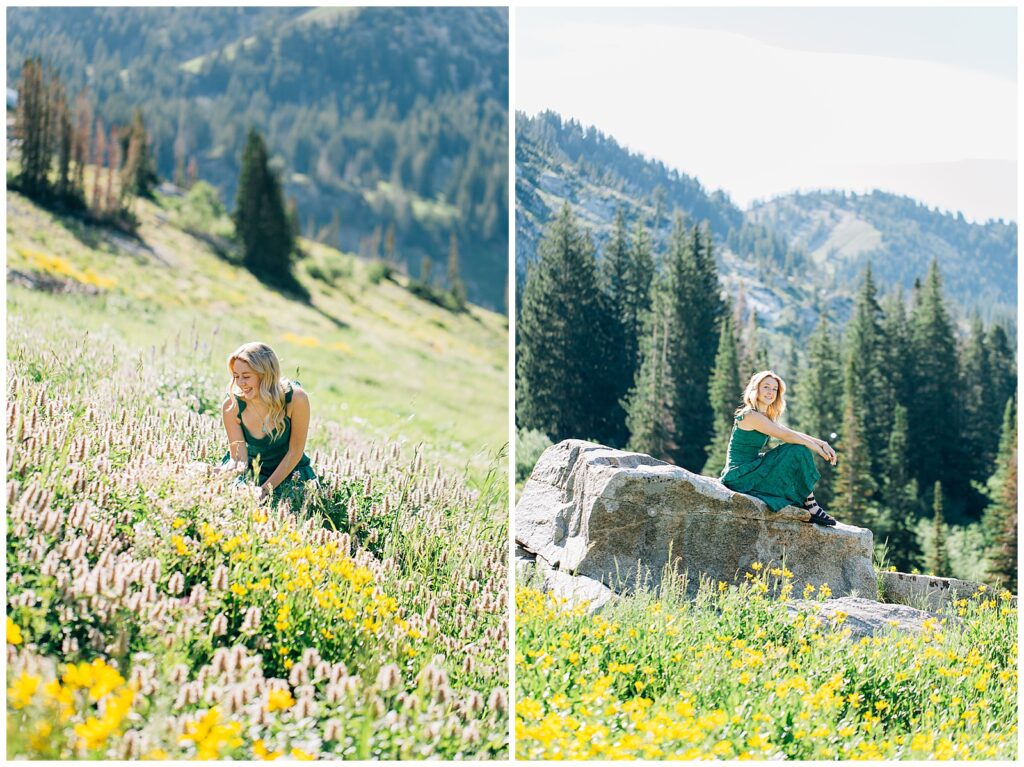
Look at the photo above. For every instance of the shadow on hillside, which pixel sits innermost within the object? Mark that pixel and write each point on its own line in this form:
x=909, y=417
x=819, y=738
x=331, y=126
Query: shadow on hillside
x=293, y=290
x=338, y=323
x=76, y=218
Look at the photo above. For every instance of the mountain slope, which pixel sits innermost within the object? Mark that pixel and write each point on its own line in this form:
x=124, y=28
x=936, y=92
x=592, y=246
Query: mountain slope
x=561, y=161
x=375, y=358
x=900, y=237
x=791, y=258
x=379, y=119
x=557, y=161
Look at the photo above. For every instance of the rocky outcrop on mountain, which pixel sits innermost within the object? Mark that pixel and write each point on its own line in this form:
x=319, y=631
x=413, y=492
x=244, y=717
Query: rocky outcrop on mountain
x=623, y=519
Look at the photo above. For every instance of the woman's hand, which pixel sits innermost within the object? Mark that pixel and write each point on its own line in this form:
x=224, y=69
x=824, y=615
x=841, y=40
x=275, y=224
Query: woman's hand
x=266, y=490
x=826, y=451
x=236, y=467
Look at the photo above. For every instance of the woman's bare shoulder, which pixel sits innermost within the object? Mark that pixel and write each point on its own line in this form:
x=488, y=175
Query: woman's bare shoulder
x=750, y=420
x=297, y=395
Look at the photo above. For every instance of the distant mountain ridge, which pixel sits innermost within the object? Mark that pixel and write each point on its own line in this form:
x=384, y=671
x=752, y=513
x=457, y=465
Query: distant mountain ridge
x=379, y=119
x=899, y=236
x=792, y=257
x=559, y=159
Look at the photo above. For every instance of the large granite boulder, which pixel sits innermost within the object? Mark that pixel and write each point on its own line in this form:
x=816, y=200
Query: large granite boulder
x=619, y=518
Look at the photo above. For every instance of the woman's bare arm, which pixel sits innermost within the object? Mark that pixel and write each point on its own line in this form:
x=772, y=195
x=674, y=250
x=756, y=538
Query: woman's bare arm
x=765, y=425
x=236, y=442
x=808, y=436
x=297, y=443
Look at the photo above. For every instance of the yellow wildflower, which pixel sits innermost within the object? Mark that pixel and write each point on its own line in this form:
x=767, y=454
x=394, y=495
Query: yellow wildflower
x=279, y=700
x=260, y=750
x=20, y=693
x=13, y=632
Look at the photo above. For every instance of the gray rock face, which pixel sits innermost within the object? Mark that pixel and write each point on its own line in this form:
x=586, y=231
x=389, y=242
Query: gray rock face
x=620, y=518
x=866, y=617
x=927, y=591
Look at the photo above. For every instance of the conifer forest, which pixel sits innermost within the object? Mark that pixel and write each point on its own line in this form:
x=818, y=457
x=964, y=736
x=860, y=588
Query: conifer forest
x=638, y=346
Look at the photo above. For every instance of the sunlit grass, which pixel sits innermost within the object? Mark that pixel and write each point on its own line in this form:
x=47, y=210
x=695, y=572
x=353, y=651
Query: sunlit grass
x=736, y=675
x=373, y=357
x=154, y=610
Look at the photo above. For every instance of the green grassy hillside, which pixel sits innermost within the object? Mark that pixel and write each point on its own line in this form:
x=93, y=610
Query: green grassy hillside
x=156, y=611
x=373, y=357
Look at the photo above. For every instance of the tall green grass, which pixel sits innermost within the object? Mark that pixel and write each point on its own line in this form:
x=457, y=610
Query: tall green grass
x=155, y=610
x=374, y=358
x=738, y=674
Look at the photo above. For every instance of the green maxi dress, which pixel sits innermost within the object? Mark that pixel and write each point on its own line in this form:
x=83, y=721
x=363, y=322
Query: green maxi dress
x=782, y=476
x=271, y=452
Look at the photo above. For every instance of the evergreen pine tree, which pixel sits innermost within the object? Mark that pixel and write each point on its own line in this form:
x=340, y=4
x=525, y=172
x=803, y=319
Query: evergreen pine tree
x=63, y=139
x=933, y=408
x=753, y=355
x=649, y=404
x=938, y=559
x=900, y=496
x=897, y=356
x=32, y=126
x=139, y=173
x=616, y=373
x=82, y=140
x=291, y=211
x=866, y=385
x=725, y=392
x=1000, y=520
x=557, y=349
x=639, y=277
x=818, y=401
x=979, y=431
x=697, y=308
x=455, y=286
x=1004, y=558
x=855, y=485
x=389, y=240
x=261, y=221
x=98, y=158
x=614, y=265
x=113, y=163
x=1002, y=366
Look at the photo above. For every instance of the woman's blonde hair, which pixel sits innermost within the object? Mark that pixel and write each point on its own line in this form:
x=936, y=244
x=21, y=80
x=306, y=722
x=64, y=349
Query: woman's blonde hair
x=263, y=361
x=777, y=408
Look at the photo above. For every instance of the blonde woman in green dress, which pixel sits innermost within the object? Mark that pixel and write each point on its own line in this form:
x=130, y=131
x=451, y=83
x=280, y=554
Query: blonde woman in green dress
x=267, y=419
x=785, y=475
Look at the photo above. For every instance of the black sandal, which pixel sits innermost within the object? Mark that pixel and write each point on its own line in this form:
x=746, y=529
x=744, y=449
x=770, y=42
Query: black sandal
x=819, y=516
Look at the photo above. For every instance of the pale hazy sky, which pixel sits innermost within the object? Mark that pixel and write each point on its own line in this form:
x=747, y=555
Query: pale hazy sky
x=760, y=102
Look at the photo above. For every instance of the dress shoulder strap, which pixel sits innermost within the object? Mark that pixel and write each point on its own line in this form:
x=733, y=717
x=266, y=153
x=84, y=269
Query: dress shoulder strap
x=288, y=394
x=241, y=405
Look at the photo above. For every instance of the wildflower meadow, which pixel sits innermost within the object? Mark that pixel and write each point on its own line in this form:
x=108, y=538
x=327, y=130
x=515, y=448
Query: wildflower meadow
x=747, y=672
x=154, y=611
